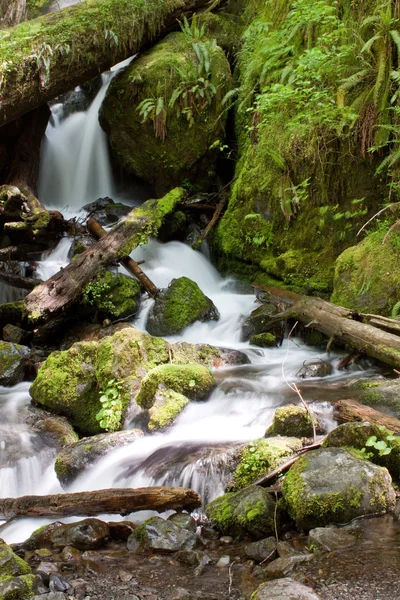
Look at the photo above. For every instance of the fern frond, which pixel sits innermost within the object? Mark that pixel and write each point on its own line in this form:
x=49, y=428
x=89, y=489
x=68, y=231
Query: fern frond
x=368, y=45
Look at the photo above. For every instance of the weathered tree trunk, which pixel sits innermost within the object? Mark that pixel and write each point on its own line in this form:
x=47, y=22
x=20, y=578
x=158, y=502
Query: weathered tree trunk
x=62, y=289
x=112, y=501
x=12, y=12
x=131, y=265
x=341, y=324
x=48, y=56
x=348, y=410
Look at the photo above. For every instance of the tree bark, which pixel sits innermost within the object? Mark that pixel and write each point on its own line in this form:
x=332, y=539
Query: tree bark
x=348, y=410
x=12, y=12
x=48, y=56
x=112, y=501
x=131, y=265
x=62, y=289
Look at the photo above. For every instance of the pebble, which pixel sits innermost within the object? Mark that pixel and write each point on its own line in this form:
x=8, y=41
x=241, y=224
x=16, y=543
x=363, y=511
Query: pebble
x=226, y=539
x=224, y=561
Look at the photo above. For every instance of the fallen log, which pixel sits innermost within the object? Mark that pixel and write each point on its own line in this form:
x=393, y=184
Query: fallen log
x=111, y=501
x=23, y=252
x=18, y=281
x=346, y=411
x=62, y=289
x=48, y=56
x=131, y=265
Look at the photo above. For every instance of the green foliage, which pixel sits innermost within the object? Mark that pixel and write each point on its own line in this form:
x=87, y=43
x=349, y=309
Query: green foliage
x=111, y=412
x=384, y=446
x=331, y=214
x=95, y=291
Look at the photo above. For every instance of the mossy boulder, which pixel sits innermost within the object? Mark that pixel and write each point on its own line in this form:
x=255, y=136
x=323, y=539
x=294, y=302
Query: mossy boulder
x=167, y=405
x=192, y=380
x=380, y=393
x=160, y=535
x=355, y=435
x=75, y=458
x=69, y=382
x=112, y=295
x=16, y=579
x=249, y=512
x=293, y=421
x=264, y=340
x=260, y=321
x=11, y=565
x=367, y=277
x=180, y=305
x=261, y=456
x=171, y=144
x=334, y=485
x=12, y=363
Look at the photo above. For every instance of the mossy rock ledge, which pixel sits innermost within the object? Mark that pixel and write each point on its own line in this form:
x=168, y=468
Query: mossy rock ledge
x=69, y=382
x=334, y=485
x=249, y=512
x=16, y=579
x=166, y=149
x=180, y=305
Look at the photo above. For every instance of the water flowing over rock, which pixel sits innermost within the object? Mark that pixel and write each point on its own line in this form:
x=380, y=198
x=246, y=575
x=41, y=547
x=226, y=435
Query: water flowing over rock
x=177, y=307
x=333, y=485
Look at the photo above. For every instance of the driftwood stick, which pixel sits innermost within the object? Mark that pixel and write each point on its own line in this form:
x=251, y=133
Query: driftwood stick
x=215, y=217
x=111, y=501
x=132, y=266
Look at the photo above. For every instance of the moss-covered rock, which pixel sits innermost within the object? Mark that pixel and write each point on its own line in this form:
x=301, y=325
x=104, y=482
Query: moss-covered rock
x=11, y=565
x=18, y=588
x=12, y=363
x=367, y=277
x=261, y=456
x=168, y=142
x=112, y=295
x=75, y=458
x=334, y=485
x=69, y=382
x=181, y=304
x=293, y=421
x=260, y=321
x=380, y=393
x=249, y=512
x=264, y=340
x=167, y=405
x=355, y=435
x=193, y=380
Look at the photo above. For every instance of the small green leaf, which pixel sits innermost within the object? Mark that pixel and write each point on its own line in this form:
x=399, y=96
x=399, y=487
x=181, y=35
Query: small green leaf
x=371, y=441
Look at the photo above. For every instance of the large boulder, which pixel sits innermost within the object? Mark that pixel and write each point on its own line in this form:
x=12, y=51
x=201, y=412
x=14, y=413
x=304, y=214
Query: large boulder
x=333, y=485
x=88, y=534
x=12, y=363
x=292, y=420
x=249, y=512
x=356, y=435
x=112, y=295
x=160, y=535
x=284, y=589
x=180, y=305
x=75, y=458
x=261, y=456
x=69, y=382
x=163, y=112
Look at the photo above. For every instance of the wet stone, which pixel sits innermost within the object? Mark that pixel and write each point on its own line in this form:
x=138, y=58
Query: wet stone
x=47, y=567
x=284, y=589
x=120, y=531
x=224, y=561
x=58, y=583
x=262, y=550
x=160, y=535
x=330, y=538
x=88, y=534
x=285, y=565
x=70, y=554
x=192, y=557
x=184, y=520
x=315, y=369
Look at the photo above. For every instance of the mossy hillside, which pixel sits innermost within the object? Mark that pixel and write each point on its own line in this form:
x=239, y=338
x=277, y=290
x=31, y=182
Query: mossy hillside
x=250, y=512
x=167, y=406
x=166, y=150
x=262, y=456
x=69, y=382
x=192, y=380
x=112, y=295
x=302, y=188
x=291, y=420
x=367, y=277
x=180, y=305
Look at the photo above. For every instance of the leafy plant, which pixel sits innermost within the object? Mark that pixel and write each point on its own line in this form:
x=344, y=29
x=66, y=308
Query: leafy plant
x=111, y=412
x=154, y=109
x=384, y=446
x=95, y=293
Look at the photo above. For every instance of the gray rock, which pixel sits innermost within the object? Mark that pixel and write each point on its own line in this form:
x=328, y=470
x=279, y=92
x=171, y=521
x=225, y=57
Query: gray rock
x=262, y=549
x=51, y=596
x=315, y=369
x=161, y=535
x=224, y=561
x=12, y=363
x=284, y=589
x=226, y=539
x=183, y=594
x=106, y=211
x=260, y=321
x=285, y=565
x=88, y=534
x=58, y=583
x=181, y=304
x=183, y=520
x=286, y=549
x=192, y=557
x=47, y=568
x=75, y=458
x=333, y=485
x=330, y=538
x=17, y=588
x=250, y=511
x=16, y=335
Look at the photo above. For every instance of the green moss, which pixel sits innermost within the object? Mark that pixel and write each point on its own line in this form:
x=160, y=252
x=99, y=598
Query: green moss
x=264, y=340
x=10, y=355
x=291, y=421
x=192, y=380
x=168, y=150
x=11, y=565
x=262, y=456
x=366, y=275
x=168, y=405
x=112, y=295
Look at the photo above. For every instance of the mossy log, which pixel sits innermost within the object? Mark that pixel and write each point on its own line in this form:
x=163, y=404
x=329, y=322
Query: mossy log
x=369, y=334
x=45, y=57
x=111, y=501
x=64, y=287
x=348, y=411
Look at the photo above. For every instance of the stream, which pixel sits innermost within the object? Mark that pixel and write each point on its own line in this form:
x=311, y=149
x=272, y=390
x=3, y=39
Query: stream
x=75, y=170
